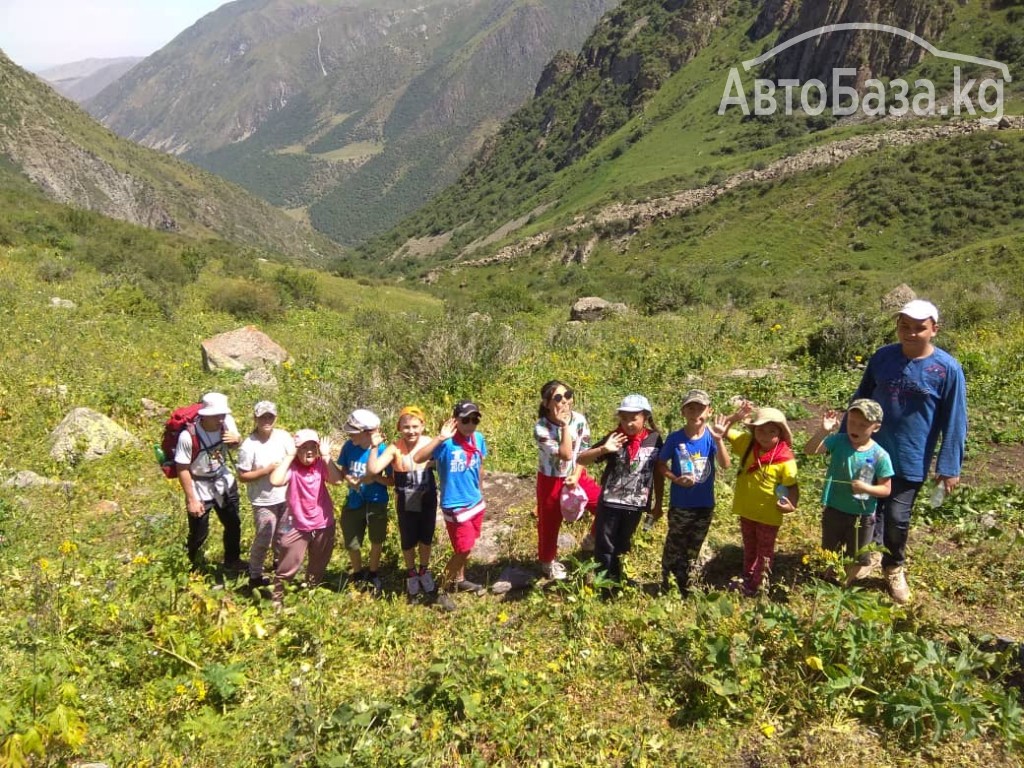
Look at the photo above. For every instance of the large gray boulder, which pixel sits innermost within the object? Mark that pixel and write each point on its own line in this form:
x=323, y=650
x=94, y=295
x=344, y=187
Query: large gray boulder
x=86, y=434
x=242, y=349
x=591, y=308
x=894, y=300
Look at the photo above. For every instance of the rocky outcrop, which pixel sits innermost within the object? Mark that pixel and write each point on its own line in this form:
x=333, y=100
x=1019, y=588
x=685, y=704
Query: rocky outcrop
x=872, y=54
x=591, y=308
x=242, y=349
x=897, y=297
x=85, y=434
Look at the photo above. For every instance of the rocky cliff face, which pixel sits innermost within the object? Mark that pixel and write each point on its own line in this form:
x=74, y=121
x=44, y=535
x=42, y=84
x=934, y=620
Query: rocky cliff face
x=872, y=54
x=77, y=162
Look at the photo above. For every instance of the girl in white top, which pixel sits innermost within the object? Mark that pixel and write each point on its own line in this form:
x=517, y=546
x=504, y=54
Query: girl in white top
x=258, y=456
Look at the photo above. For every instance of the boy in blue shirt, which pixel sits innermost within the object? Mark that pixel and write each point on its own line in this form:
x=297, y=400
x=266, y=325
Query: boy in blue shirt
x=687, y=461
x=367, y=506
x=923, y=395
x=859, y=474
x=458, y=452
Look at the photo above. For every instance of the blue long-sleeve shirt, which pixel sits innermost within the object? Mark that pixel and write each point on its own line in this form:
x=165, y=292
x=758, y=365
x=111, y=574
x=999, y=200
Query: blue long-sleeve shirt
x=921, y=400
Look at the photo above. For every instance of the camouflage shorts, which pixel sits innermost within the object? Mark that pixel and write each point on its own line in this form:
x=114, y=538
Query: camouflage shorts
x=687, y=529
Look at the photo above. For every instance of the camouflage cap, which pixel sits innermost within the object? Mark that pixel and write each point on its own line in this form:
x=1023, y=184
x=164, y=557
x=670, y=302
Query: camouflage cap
x=872, y=411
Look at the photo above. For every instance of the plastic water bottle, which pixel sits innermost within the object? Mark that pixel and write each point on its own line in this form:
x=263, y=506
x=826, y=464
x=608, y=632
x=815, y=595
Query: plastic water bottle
x=781, y=492
x=866, y=474
x=938, y=495
x=648, y=522
x=686, y=465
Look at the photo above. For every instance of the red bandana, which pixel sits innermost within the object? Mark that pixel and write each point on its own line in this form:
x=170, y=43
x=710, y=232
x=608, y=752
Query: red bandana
x=633, y=443
x=466, y=444
x=778, y=454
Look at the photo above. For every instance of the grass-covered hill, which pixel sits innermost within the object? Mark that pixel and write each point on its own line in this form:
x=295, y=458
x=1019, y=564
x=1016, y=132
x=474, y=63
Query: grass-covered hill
x=112, y=652
x=351, y=114
x=73, y=159
x=560, y=204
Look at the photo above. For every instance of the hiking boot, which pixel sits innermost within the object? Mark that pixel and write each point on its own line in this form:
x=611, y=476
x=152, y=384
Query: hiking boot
x=358, y=579
x=412, y=583
x=554, y=570
x=256, y=582
x=235, y=567
x=858, y=571
x=445, y=602
x=469, y=586
x=898, y=588
x=427, y=581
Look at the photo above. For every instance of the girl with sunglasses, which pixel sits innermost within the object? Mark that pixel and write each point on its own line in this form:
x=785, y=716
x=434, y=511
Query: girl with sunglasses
x=561, y=434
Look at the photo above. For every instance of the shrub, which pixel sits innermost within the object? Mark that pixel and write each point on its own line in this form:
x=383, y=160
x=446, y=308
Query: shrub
x=54, y=270
x=297, y=289
x=842, y=343
x=245, y=299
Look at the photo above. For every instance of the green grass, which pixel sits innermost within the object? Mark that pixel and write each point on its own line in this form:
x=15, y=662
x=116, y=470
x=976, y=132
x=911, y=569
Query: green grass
x=114, y=653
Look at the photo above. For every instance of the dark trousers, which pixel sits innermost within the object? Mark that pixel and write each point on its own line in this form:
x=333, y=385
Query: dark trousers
x=687, y=529
x=892, y=520
x=613, y=537
x=841, y=532
x=199, y=528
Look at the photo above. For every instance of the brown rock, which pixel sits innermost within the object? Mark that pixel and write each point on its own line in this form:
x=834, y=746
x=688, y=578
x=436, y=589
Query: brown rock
x=242, y=349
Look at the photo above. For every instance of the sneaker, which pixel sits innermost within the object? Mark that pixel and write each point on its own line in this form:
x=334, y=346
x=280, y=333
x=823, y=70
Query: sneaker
x=236, y=567
x=587, y=545
x=427, y=581
x=412, y=584
x=375, y=584
x=469, y=586
x=501, y=586
x=554, y=570
x=898, y=588
x=358, y=578
x=445, y=602
x=256, y=582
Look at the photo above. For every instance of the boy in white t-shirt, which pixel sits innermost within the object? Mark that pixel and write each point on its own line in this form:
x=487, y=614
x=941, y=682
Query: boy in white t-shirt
x=258, y=456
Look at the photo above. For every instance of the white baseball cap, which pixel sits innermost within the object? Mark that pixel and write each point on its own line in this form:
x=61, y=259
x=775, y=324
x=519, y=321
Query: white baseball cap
x=214, y=404
x=634, y=404
x=919, y=309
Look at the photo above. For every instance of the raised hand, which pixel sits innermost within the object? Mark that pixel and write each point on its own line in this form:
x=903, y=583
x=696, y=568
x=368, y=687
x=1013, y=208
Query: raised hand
x=614, y=442
x=720, y=427
x=326, y=448
x=830, y=420
x=448, y=429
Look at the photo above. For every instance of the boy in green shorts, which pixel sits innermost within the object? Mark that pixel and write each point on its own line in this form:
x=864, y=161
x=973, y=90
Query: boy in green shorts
x=859, y=473
x=367, y=506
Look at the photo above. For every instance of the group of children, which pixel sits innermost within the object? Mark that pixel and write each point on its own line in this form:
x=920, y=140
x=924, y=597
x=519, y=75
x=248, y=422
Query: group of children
x=911, y=396
x=293, y=513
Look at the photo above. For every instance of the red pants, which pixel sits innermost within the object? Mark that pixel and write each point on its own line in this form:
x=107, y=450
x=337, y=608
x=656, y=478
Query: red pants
x=758, y=551
x=549, y=512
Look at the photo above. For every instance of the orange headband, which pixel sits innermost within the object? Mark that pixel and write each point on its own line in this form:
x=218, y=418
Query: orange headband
x=414, y=411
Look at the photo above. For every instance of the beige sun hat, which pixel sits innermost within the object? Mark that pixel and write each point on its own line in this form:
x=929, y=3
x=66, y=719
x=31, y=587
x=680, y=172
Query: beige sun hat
x=772, y=416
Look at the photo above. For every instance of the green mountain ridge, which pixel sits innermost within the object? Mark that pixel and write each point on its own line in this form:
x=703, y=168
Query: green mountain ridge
x=74, y=160
x=533, y=204
x=355, y=113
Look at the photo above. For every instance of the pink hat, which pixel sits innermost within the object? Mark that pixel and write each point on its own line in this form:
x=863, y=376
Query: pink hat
x=304, y=436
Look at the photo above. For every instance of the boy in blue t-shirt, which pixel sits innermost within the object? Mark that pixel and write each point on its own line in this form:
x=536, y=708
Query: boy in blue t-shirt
x=458, y=452
x=367, y=505
x=687, y=460
x=859, y=473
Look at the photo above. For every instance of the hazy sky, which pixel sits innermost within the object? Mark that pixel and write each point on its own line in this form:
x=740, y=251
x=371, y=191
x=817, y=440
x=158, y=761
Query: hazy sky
x=40, y=33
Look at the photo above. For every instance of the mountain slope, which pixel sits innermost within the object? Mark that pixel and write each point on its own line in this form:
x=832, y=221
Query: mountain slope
x=530, y=208
x=74, y=160
x=81, y=80
x=357, y=112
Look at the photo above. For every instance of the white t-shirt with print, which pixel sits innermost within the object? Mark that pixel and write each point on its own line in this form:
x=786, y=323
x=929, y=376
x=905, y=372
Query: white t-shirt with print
x=254, y=454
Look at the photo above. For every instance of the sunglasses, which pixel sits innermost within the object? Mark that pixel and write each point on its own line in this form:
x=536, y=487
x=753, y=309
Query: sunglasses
x=567, y=395
x=470, y=419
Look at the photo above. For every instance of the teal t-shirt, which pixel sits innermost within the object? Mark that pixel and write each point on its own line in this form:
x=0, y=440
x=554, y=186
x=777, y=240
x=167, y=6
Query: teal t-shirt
x=844, y=464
